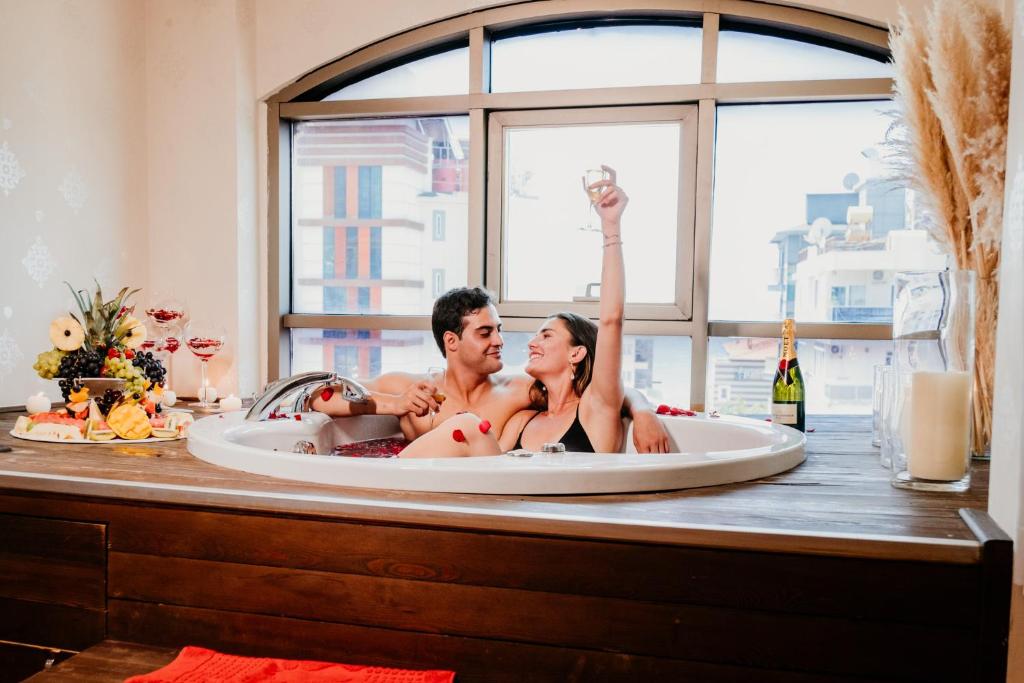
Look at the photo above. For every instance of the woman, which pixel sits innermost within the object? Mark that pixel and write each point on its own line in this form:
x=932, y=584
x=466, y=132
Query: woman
x=576, y=365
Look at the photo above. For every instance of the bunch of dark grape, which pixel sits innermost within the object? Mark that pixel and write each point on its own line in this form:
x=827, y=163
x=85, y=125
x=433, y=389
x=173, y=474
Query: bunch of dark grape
x=107, y=400
x=151, y=367
x=67, y=386
x=78, y=363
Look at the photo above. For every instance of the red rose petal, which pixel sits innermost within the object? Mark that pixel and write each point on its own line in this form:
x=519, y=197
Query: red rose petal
x=326, y=394
x=663, y=409
x=484, y=426
x=458, y=436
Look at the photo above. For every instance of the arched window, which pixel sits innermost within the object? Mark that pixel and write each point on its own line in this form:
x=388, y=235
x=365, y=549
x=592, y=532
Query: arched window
x=750, y=144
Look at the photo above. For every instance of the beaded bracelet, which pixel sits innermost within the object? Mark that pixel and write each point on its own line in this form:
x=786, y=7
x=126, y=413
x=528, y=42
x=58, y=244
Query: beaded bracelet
x=612, y=244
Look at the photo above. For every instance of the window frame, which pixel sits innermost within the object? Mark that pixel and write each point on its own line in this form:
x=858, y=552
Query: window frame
x=685, y=115
x=293, y=103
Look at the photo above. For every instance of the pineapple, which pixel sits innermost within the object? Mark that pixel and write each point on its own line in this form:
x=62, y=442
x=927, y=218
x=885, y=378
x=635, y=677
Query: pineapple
x=107, y=324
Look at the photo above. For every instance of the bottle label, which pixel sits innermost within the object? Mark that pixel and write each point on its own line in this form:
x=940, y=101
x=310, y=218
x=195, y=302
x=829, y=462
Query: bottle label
x=784, y=413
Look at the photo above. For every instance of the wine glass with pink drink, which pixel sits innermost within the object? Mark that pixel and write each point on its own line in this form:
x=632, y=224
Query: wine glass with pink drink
x=167, y=317
x=204, y=341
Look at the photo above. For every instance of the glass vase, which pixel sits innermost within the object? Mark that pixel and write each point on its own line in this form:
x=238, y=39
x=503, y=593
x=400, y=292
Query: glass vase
x=930, y=420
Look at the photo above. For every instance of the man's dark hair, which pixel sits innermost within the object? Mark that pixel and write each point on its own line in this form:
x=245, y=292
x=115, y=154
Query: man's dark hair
x=452, y=306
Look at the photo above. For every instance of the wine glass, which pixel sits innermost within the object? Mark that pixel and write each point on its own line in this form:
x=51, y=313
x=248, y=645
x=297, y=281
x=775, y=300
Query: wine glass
x=591, y=176
x=204, y=341
x=168, y=316
x=436, y=373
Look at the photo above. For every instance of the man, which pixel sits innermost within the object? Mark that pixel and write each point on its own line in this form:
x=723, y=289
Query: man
x=467, y=330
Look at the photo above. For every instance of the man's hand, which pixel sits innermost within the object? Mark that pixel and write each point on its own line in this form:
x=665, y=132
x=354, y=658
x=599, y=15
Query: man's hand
x=418, y=399
x=649, y=434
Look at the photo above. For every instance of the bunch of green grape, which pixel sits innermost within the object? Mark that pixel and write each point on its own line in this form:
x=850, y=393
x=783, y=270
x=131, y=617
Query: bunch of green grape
x=120, y=367
x=48, y=362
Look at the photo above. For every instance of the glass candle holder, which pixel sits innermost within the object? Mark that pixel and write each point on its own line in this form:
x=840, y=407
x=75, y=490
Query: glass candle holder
x=885, y=395
x=876, y=405
x=933, y=333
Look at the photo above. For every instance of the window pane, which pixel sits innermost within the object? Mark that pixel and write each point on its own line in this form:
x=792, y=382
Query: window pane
x=363, y=354
x=446, y=73
x=367, y=197
x=748, y=57
x=807, y=223
x=601, y=57
x=837, y=374
x=657, y=366
x=549, y=255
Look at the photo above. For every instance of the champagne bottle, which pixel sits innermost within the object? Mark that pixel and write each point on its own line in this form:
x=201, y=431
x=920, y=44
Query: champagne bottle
x=788, y=390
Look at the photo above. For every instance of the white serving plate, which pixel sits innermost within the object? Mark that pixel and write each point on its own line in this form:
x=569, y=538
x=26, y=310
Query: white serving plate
x=115, y=440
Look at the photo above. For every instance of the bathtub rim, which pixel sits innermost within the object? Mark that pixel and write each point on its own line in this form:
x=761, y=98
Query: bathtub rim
x=541, y=474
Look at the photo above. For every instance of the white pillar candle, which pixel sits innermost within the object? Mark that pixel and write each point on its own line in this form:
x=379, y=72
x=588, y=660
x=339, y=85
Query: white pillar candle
x=37, y=404
x=231, y=402
x=940, y=425
x=168, y=398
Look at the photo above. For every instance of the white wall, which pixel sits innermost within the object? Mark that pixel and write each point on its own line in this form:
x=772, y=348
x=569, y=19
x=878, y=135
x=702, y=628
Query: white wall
x=1006, y=488
x=201, y=171
x=72, y=116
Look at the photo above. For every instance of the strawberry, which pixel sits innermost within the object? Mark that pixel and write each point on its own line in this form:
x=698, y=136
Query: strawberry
x=113, y=353
x=129, y=354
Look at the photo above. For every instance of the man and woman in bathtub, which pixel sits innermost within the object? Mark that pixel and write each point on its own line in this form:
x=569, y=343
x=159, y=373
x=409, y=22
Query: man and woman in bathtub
x=573, y=394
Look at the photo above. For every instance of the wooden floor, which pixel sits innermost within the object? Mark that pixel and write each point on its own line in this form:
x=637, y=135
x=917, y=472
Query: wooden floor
x=839, y=502
x=109, y=662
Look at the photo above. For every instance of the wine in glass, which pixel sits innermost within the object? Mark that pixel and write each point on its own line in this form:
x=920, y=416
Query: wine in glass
x=436, y=373
x=591, y=176
x=205, y=342
x=167, y=316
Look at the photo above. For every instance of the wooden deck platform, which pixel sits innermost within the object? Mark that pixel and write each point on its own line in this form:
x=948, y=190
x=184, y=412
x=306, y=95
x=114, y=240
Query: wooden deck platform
x=811, y=575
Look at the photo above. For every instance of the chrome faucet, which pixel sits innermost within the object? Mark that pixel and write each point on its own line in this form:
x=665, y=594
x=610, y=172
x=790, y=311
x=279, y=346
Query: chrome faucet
x=307, y=383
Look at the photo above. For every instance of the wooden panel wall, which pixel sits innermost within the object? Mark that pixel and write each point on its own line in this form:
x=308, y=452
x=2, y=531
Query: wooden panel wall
x=52, y=591
x=541, y=608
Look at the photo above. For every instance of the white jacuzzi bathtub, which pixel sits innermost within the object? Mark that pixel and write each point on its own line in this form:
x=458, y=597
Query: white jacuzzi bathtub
x=712, y=451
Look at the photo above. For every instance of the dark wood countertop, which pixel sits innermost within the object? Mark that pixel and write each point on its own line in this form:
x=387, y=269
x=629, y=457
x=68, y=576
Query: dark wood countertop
x=839, y=502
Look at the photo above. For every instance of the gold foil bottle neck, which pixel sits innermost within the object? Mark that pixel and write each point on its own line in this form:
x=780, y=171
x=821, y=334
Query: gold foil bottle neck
x=788, y=339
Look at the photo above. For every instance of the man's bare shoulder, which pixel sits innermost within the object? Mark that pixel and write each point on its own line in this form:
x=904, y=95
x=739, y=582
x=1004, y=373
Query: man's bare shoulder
x=394, y=382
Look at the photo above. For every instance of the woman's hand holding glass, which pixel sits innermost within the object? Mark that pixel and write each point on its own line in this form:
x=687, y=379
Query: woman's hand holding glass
x=610, y=203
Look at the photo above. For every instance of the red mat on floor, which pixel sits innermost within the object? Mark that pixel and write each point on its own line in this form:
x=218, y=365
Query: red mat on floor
x=195, y=664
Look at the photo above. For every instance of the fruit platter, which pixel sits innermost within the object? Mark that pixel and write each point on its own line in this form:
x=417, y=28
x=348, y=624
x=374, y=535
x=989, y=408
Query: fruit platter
x=113, y=391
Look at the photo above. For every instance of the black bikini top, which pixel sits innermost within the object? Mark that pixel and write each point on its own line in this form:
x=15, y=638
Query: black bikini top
x=575, y=438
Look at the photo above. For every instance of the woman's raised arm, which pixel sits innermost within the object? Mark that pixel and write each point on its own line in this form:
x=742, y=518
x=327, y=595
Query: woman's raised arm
x=606, y=382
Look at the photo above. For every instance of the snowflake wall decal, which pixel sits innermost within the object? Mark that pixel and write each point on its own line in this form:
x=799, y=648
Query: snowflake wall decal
x=10, y=354
x=73, y=189
x=39, y=262
x=11, y=171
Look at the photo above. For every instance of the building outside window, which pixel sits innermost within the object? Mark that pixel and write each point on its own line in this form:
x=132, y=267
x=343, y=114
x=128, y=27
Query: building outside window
x=438, y=283
x=438, y=224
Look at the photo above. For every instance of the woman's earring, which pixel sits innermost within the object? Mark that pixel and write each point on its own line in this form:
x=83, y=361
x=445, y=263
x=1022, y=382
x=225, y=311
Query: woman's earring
x=572, y=371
